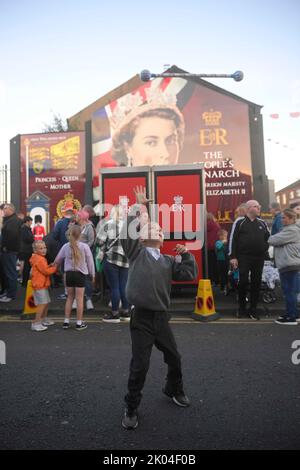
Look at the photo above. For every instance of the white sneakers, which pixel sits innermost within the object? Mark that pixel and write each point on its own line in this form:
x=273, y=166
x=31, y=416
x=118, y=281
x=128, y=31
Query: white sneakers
x=43, y=326
x=38, y=327
x=5, y=299
x=89, y=304
x=47, y=322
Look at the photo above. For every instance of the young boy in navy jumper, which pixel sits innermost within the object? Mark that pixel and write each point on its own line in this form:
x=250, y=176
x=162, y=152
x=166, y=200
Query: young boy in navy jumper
x=148, y=290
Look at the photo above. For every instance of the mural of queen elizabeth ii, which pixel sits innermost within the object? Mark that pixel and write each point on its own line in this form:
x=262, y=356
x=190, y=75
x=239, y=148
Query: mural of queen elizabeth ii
x=147, y=133
x=143, y=128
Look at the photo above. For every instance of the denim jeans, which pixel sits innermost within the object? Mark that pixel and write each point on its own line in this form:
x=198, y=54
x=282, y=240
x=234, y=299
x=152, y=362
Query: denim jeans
x=289, y=286
x=9, y=264
x=298, y=283
x=116, y=278
x=88, y=288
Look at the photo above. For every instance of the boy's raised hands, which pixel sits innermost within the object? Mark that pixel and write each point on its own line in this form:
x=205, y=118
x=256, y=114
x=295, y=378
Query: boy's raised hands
x=180, y=249
x=140, y=195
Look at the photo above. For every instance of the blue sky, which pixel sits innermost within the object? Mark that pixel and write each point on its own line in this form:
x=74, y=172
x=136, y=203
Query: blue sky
x=62, y=55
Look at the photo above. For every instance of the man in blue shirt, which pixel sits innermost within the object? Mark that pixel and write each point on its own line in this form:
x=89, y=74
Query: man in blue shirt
x=276, y=213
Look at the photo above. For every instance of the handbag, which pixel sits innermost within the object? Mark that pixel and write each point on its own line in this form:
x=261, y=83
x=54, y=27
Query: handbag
x=102, y=251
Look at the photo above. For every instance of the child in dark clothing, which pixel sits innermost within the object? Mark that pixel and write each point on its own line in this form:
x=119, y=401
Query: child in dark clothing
x=27, y=240
x=222, y=259
x=148, y=289
x=53, y=248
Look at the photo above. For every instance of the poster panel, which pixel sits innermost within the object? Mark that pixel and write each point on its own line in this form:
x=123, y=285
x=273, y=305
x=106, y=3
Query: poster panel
x=178, y=194
x=52, y=174
x=119, y=190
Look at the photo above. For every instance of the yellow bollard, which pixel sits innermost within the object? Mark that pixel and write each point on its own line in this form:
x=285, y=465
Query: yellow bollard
x=205, y=305
x=29, y=306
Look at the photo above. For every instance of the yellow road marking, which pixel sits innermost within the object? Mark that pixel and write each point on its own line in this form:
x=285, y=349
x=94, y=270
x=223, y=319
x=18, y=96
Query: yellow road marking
x=179, y=320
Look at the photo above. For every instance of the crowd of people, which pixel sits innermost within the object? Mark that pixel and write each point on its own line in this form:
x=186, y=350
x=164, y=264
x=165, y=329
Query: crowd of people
x=235, y=260
x=237, y=263
x=80, y=244
x=45, y=256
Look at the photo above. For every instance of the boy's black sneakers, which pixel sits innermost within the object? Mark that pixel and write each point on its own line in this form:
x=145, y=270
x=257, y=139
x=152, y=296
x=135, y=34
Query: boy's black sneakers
x=130, y=419
x=66, y=325
x=83, y=326
x=179, y=397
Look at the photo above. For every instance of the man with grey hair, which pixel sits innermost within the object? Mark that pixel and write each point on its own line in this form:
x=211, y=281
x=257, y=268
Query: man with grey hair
x=248, y=251
x=10, y=246
x=277, y=221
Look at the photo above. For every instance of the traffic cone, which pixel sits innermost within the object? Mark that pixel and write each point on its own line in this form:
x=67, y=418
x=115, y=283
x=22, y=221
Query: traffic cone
x=205, y=305
x=29, y=305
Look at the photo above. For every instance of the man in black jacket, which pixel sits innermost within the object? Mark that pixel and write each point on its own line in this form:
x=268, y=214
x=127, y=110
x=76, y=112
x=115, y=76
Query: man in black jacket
x=10, y=246
x=26, y=251
x=248, y=250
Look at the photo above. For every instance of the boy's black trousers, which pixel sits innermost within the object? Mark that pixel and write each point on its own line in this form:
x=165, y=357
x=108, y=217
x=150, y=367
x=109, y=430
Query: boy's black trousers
x=150, y=328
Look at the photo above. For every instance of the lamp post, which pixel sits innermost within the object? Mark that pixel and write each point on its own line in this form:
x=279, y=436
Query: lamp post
x=146, y=75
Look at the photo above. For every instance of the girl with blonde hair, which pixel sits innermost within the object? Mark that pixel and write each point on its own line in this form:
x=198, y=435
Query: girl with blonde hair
x=78, y=265
x=88, y=236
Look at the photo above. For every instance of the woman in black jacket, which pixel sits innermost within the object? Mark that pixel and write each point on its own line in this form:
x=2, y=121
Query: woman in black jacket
x=27, y=240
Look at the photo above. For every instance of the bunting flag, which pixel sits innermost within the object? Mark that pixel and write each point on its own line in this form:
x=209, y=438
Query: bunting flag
x=294, y=114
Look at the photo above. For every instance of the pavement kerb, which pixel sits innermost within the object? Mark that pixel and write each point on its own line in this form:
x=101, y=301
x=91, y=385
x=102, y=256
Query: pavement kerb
x=174, y=309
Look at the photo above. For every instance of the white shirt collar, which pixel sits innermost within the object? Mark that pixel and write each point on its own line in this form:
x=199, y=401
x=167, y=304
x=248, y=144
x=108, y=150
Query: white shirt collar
x=155, y=252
